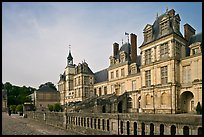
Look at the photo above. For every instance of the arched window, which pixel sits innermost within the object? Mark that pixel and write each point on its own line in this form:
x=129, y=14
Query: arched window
x=161, y=129
x=143, y=128
x=103, y=124
x=99, y=124
x=121, y=127
x=151, y=129
x=200, y=131
x=108, y=125
x=135, y=128
x=128, y=128
x=185, y=130
x=173, y=130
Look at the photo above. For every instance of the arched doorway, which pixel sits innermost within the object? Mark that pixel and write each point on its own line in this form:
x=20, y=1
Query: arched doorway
x=128, y=128
x=187, y=102
x=185, y=130
x=120, y=107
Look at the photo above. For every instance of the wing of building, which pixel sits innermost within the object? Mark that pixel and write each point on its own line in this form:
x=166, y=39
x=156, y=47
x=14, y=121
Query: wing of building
x=165, y=78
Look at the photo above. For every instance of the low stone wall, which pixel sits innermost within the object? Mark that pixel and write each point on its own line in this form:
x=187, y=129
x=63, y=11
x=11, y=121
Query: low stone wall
x=122, y=123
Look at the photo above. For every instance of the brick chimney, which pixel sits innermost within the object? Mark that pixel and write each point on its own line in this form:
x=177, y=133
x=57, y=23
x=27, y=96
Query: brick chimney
x=115, y=48
x=171, y=13
x=133, y=40
x=188, y=31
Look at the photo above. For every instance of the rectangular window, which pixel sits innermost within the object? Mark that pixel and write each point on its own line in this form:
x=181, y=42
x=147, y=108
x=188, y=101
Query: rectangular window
x=148, y=78
x=105, y=90
x=164, y=75
x=112, y=88
x=94, y=91
x=133, y=85
x=186, y=74
x=195, y=51
x=99, y=91
x=178, y=49
x=164, y=28
x=116, y=73
x=148, y=35
x=122, y=88
x=164, y=50
x=112, y=75
x=122, y=72
x=148, y=56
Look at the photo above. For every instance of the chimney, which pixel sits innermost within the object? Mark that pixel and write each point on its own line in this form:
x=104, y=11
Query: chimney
x=188, y=31
x=133, y=39
x=115, y=48
x=171, y=13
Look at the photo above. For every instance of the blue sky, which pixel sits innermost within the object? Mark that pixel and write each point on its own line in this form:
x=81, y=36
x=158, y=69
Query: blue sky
x=36, y=35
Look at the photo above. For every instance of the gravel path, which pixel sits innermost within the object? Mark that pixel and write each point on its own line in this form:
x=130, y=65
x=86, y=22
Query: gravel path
x=17, y=125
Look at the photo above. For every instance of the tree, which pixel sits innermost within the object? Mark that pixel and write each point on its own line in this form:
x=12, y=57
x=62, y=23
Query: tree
x=50, y=107
x=57, y=107
x=19, y=108
x=49, y=84
x=13, y=108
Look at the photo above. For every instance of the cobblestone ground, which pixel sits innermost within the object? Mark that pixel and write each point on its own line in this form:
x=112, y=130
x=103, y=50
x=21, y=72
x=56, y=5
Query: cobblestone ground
x=17, y=125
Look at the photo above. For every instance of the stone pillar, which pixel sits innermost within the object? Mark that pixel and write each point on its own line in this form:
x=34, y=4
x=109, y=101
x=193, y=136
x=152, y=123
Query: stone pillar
x=65, y=120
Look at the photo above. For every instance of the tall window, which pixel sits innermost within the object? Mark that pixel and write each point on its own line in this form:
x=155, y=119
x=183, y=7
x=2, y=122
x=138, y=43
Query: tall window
x=148, y=56
x=148, y=35
x=178, y=49
x=186, y=74
x=133, y=85
x=148, y=78
x=94, y=91
x=112, y=75
x=164, y=50
x=99, y=91
x=164, y=75
x=112, y=88
x=116, y=73
x=164, y=27
x=86, y=92
x=105, y=90
x=122, y=72
x=122, y=88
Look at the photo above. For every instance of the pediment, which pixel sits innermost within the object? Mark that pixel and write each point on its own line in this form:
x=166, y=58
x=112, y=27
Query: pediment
x=147, y=27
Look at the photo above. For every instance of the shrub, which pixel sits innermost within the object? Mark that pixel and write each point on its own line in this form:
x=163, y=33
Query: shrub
x=13, y=108
x=19, y=108
x=50, y=107
x=57, y=107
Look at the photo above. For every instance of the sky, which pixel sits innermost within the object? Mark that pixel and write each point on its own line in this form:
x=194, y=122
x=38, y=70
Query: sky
x=36, y=35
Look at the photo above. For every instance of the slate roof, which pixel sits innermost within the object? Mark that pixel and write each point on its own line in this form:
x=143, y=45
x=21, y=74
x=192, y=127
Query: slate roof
x=46, y=88
x=127, y=49
x=101, y=76
x=156, y=29
x=195, y=38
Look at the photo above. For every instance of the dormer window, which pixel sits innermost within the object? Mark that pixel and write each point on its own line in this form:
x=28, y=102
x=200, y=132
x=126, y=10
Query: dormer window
x=195, y=51
x=148, y=33
x=164, y=24
x=122, y=56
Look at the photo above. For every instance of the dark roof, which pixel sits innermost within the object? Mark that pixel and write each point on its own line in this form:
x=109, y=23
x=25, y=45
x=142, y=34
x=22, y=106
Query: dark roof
x=70, y=56
x=101, y=76
x=156, y=29
x=46, y=88
x=195, y=38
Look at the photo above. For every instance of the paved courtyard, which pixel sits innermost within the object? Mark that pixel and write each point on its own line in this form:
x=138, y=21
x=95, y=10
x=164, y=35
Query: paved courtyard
x=17, y=125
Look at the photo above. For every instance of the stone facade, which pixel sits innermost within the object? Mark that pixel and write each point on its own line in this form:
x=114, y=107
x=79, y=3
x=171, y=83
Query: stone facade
x=165, y=78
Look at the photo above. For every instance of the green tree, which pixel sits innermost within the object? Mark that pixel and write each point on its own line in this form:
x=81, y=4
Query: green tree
x=57, y=107
x=13, y=108
x=19, y=108
x=50, y=107
x=49, y=84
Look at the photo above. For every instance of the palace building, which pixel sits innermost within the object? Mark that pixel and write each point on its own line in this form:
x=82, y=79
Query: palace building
x=165, y=78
